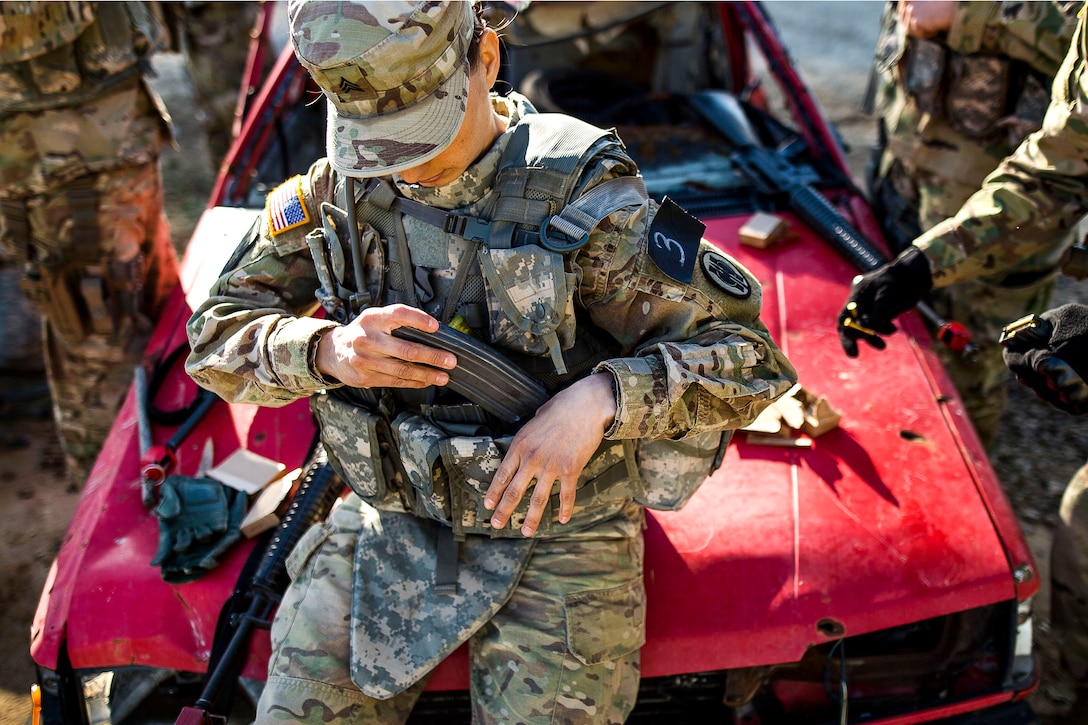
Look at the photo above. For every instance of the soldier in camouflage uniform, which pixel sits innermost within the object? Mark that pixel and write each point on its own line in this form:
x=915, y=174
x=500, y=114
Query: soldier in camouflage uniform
x=1026, y=206
x=81, y=198
x=455, y=530
x=959, y=85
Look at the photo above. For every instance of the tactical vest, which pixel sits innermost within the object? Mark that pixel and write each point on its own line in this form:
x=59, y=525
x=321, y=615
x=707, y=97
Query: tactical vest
x=980, y=95
x=432, y=455
x=66, y=53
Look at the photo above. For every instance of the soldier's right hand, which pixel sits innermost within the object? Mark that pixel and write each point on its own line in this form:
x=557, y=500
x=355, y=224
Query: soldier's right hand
x=878, y=297
x=926, y=18
x=365, y=354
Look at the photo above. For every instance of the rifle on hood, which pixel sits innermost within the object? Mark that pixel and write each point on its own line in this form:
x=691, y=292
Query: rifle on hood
x=311, y=504
x=774, y=174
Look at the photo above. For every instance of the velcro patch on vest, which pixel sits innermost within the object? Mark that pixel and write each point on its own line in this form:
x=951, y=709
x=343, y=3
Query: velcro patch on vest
x=673, y=240
x=725, y=275
x=286, y=207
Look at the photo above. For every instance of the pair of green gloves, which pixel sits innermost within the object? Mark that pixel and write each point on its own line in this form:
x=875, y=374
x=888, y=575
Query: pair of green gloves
x=199, y=519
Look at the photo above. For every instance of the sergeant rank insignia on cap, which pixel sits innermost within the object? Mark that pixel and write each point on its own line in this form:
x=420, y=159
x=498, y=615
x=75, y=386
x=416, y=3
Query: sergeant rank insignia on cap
x=287, y=207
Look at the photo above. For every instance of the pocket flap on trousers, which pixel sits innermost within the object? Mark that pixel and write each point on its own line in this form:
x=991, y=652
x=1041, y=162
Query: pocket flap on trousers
x=604, y=624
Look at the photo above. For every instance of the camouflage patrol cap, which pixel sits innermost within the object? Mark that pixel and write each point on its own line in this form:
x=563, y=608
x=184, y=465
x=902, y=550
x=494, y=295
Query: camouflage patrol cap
x=395, y=75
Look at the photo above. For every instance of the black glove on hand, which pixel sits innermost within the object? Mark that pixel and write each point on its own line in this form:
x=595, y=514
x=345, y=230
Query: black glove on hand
x=1052, y=357
x=199, y=519
x=880, y=296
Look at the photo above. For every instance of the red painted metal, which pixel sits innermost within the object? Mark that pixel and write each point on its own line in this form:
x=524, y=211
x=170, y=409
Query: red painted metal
x=878, y=524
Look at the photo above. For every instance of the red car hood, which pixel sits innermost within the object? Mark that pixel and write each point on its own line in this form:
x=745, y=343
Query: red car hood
x=893, y=517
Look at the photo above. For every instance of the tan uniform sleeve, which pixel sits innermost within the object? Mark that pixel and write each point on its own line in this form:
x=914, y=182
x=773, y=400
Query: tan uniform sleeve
x=1032, y=200
x=697, y=357
x=254, y=340
x=1037, y=33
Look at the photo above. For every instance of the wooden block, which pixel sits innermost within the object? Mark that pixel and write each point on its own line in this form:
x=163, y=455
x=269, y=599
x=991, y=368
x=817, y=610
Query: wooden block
x=762, y=230
x=247, y=471
x=262, y=514
x=820, y=417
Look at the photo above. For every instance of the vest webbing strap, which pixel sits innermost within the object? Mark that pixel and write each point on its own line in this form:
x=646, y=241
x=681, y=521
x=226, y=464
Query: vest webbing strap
x=86, y=236
x=383, y=195
x=17, y=225
x=576, y=220
x=580, y=217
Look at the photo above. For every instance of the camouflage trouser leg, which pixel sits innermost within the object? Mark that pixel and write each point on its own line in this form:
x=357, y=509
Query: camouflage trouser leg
x=88, y=381
x=1069, y=577
x=565, y=647
x=217, y=38
x=88, y=377
x=985, y=308
x=309, y=679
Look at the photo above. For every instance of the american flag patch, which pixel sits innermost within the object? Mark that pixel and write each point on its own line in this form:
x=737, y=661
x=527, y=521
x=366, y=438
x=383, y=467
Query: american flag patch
x=286, y=208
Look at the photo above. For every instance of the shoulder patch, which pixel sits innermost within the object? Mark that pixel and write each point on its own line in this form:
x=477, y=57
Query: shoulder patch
x=673, y=240
x=287, y=207
x=725, y=275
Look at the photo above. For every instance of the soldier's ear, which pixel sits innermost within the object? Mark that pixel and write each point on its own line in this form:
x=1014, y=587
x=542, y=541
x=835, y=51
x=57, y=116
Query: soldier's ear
x=489, y=57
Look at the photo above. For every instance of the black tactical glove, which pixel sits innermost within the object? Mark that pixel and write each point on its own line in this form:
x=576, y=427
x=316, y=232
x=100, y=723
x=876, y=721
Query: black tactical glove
x=880, y=296
x=199, y=519
x=1049, y=354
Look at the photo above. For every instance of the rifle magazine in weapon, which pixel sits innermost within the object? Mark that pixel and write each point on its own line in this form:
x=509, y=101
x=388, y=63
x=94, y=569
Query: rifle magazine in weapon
x=482, y=374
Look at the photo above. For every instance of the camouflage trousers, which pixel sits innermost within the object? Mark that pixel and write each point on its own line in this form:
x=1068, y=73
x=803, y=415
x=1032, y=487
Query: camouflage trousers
x=90, y=373
x=564, y=648
x=1069, y=577
x=911, y=203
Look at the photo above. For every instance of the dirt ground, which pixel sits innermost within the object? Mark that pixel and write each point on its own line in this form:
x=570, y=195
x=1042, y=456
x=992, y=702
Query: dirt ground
x=1038, y=449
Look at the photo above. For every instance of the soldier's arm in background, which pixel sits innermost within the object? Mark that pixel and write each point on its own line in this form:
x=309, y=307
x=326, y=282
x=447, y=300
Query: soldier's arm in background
x=1032, y=199
x=1037, y=33
x=1030, y=202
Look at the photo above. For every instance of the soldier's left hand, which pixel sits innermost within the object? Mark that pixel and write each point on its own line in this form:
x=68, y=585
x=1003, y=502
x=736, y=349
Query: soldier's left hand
x=555, y=445
x=880, y=296
x=1054, y=364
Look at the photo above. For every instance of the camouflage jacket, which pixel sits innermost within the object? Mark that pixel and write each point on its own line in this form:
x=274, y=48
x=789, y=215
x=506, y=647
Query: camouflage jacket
x=73, y=97
x=1033, y=199
x=695, y=357
x=1033, y=36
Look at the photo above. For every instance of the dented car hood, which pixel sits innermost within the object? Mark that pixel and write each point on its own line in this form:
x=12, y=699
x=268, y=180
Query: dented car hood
x=891, y=517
